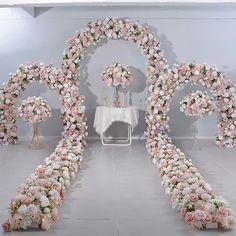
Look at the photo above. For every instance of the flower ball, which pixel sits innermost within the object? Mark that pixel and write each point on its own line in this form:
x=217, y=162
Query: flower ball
x=197, y=104
x=117, y=75
x=34, y=110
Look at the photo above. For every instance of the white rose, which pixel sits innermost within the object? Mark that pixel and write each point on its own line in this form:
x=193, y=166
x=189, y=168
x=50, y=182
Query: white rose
x=168, y=191
x=186, y=190
x=22, y=209
x=44, y=201
x=46, y=210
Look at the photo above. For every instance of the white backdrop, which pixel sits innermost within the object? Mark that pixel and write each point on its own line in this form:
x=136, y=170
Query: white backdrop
x=204, y=34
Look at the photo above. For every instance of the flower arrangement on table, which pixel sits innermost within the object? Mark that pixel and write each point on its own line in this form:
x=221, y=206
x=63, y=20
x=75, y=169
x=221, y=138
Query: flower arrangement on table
x=34, y=110
x=117, y=75
x=195, y=105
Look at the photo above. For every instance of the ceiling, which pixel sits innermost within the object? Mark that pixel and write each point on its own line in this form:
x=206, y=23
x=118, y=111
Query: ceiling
x=38, y=7
x=53, y=3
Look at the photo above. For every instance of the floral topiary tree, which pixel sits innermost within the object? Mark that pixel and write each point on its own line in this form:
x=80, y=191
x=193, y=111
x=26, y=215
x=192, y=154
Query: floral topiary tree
x=34, y=110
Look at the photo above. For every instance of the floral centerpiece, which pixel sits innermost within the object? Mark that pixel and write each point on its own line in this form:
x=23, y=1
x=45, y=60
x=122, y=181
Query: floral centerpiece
x=197, y=104
x=34, y=110
x=117, y=75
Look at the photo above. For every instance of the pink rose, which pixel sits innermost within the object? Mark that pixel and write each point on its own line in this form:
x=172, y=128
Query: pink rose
x=205, y=197
x=189, y=217
x=46, y=222
x=25, y=199
x=183, y=212
x=208, y=218
x=199, y=215
x=55, y=214
x=6, y=227
x=193, y=197
x=42, y=172
x=223, y=211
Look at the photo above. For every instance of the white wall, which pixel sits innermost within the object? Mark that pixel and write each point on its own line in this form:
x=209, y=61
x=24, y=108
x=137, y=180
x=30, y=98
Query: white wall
x=204, y=34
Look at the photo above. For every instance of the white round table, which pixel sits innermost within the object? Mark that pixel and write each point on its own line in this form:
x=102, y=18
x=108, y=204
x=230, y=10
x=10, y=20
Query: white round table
x=105, y=116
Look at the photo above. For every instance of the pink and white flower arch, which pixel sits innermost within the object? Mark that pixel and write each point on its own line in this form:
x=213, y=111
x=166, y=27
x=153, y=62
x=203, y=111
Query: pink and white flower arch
x=162, y=91
x=71, y=100
x=183, y=183
x=164, y=81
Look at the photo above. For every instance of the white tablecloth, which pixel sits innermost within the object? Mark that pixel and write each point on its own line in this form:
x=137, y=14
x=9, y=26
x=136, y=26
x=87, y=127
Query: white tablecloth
x=105, y=116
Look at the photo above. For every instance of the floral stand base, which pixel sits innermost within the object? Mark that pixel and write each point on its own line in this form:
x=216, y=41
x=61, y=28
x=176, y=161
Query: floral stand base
x=116, y=102
x=195, y=143
x=35, y=142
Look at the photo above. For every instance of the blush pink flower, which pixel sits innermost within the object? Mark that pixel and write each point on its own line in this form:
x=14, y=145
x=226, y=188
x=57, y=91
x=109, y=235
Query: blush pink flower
x=6, y=227
x=189, y=217
x=193, y=197
x=199, y=215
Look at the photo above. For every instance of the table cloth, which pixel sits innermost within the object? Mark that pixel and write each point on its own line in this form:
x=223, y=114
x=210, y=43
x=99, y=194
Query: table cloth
x=105, y=116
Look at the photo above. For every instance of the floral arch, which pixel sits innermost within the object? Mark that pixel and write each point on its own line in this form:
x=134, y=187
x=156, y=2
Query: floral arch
x=222, y=89
x=197, y=203
x=164, y=81
x=71, y=100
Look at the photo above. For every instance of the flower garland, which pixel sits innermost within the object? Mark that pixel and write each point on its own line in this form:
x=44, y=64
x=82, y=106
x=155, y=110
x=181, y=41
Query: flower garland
x=34, y=110
x=188, y=191
x=37, y=201
x=197, y=104
x=117, y=75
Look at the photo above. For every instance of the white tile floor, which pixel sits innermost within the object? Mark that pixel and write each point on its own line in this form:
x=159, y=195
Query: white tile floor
x=117, y=190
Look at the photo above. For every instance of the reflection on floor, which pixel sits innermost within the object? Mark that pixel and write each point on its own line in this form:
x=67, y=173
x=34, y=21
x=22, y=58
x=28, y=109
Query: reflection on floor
x=117, y=190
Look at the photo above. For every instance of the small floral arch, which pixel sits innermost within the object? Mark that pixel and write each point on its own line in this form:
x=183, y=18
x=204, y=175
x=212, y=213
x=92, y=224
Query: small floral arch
x=209, y=77
x=71, y=100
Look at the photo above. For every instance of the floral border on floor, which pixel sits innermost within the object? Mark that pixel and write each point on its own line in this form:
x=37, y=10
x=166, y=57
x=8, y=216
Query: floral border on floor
x=197, y=203
x=37, y=200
